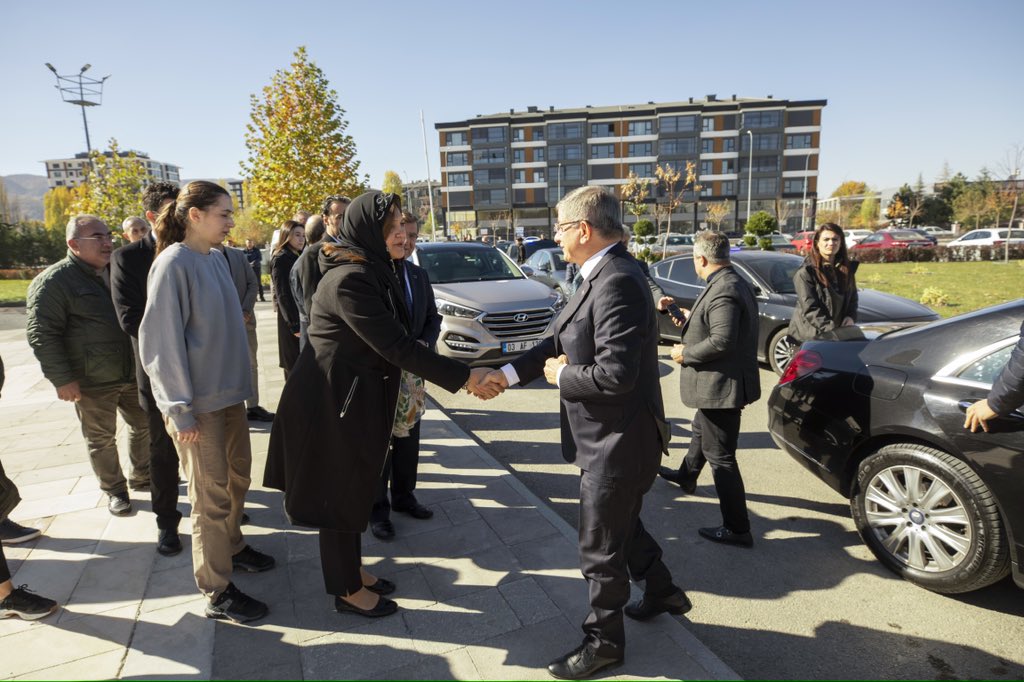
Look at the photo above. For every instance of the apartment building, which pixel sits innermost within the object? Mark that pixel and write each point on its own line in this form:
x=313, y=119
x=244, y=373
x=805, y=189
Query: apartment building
x=72, y=172
x=513, y=168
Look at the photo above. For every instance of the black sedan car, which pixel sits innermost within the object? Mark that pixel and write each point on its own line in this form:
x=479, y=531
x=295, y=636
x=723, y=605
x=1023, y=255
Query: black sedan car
x=881, y=421
x=771, y=275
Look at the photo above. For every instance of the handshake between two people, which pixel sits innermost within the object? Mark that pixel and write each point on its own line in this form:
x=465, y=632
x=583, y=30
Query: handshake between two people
x=489, y=383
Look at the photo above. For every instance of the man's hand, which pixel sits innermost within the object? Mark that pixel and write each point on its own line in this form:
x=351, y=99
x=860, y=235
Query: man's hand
x=551, y=368
x=70, y=392
x=482, y=385
x=677, y=352
x=664, y=302
x=979, y=414
x=246, y=317
x=189, y=435
x=847, y=322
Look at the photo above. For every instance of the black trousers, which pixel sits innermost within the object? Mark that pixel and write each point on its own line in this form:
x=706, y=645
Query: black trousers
x=5, y=571
x=714, y=439
x=400, y=469
x=614, y=547
x=341, y=555
x=163, y=472
x=258, y=269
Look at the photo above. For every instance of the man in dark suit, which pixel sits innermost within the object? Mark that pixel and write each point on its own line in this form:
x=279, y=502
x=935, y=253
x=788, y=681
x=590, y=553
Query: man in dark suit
x=604, y=359
x=719, y=377
x=304, y=271
x=129, y=269
x=307, y=269
x=401, y=467
x=1007, y=393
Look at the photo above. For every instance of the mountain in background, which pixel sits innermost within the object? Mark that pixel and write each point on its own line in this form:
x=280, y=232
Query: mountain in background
x=27, y=192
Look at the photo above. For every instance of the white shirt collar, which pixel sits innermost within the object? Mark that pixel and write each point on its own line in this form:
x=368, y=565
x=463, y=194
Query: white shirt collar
x=588, y=267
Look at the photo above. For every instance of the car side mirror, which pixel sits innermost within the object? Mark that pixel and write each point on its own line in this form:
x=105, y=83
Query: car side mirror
x=527, y=270
x=544, y=267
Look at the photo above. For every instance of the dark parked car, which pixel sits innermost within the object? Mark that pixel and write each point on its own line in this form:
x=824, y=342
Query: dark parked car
x=531, y=247
x=891, y=239
x=771, y=274
x=880, y=419
x=547, y=266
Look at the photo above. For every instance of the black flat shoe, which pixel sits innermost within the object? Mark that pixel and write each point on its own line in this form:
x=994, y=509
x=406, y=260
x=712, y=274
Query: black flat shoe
x=727, y=537
x=648, y=607
x=382, y=586
x=689, y=487
x=384, y=607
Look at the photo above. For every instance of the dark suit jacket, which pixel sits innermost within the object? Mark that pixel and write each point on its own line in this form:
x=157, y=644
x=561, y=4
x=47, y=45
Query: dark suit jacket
x=307, y=275
x=720, y=358
x=613, y=419
x=1007, y=392
x=426, y=322
x=129, y=270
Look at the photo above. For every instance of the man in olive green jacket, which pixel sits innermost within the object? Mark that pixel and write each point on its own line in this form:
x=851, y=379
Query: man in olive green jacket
x=73, y=329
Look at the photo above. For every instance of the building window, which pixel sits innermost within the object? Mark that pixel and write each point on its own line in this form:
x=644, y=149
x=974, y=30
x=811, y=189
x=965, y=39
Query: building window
x=802, y=141
x=602, y=172
x=491, y=134
x=793, y=185
x=538, y=175
x=538, y=133
x=797, y=162
x=707, y=123
x=705, y=190
x=684, y=145
x=728, y=165
x=728, y=144
x=539, y=153
x=519, y=176
x=489, y=155
x=762, y=119
x=800, y=118
x=728, y=188
x=562, y=131
x=707, y=168
x=762, y=142
x=762, y=186
x=641, y=149
x=494, y=176
x=458, y=159
x=762, y=164
x=707, y=145
x=563, y=152
x=518, y=134
x=456, y=139
x=677, y=124
x=518, y=155
x=458, y=179
x=641, y=127
x=572, y=173
x=602, y=130
x=642, y=170
x=602, y=151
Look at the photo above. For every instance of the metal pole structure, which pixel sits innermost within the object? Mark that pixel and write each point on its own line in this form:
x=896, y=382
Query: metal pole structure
x=559, y=197
x=803, y=205
x=82, y=92
x=750, y=175
x=430, y=193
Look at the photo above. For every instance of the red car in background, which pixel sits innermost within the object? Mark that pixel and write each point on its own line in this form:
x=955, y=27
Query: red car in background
x=891, y=239
x=803, y=241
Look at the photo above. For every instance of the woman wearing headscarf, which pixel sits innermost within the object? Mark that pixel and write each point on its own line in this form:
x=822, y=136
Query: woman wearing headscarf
x=333, y=427
x=826, y=288
x=291, y=240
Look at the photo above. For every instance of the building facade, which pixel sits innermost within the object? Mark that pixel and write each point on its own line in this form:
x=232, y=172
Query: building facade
x=72, y=172
x=418, y=195
x=508, y=171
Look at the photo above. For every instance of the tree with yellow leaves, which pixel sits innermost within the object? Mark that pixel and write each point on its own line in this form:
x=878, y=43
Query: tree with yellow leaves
x=716, y=212
x=57, y=204
x=393, y=184
x=299, y=152
x=113, y=186
x=669, y=180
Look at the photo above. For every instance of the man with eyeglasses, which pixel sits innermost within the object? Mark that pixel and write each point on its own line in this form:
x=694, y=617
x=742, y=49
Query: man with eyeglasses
x=73, y=330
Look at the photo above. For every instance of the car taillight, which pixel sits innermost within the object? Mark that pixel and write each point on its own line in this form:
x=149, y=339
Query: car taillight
x=803, y=363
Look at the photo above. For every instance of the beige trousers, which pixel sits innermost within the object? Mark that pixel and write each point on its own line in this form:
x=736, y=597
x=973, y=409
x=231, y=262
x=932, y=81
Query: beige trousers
x=97, y=413
x=218, y=469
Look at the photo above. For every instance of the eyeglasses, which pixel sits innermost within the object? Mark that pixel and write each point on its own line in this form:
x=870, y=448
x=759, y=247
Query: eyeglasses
x=108, y=237
x=562, y=228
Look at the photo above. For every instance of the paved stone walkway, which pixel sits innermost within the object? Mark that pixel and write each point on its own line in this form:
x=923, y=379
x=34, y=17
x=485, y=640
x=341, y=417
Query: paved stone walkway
x=489, y=588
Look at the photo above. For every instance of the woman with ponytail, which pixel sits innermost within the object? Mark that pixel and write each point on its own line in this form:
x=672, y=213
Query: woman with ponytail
x=193, y=345
x=291, y=239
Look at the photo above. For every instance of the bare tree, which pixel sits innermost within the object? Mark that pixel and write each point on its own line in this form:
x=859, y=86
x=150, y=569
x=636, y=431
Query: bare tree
x=716, y=212
x=669, y=179
x=783, y=212
x=1009, y=193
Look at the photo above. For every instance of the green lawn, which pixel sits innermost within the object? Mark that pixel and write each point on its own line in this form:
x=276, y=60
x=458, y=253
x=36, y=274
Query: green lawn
x=12, y=291
x=965, y=286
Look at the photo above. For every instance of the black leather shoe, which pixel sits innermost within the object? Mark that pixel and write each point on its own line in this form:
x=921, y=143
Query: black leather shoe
x=648, y=607
x=245, y=519
x=383, y=530
x=258, y=414
x=384, y=607
x=727, y=537
x=415, y=510
x=689, y=487
x=382, y=586
x=169, y=543
x=252, y=560
x=581, y=664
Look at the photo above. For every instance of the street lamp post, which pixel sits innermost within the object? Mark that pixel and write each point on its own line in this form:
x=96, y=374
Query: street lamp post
x=803, y=204
x=81, y=91
x=750, y=173
x=559, y=181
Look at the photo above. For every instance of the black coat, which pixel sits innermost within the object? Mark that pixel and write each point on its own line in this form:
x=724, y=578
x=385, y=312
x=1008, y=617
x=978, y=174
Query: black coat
x=280, y=268
x=333, y=425
x=1007, y=392
x=821, y=309
x=129, y=273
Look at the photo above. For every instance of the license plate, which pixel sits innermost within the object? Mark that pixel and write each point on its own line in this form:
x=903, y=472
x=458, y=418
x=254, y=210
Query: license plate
x=518, y=346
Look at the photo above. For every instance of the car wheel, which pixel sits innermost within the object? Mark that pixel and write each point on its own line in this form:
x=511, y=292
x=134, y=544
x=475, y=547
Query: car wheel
x=928, y=517
x=780, y=350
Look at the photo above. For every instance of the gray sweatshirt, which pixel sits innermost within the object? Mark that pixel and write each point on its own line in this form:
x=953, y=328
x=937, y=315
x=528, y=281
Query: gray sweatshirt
x=192, y=339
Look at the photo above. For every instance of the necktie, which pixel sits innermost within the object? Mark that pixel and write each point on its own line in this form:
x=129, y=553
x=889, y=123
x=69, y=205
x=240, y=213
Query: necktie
x=577, y=282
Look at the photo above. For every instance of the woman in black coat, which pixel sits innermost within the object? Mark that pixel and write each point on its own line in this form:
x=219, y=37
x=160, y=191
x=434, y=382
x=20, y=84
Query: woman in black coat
x=333, y=425
x=826, y=288
x=289, y=247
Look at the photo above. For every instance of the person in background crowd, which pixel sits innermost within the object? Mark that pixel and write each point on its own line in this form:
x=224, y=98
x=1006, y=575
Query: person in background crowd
x=1006, y=394
x=337, y=411
x=291, y=239
x=129, y=270
x=401, y=467
x=520, y=251
x=302, y=274
x=255, y=258
x=826, y=287
x=193, y=346
x=301, y=216
x=133, y=229
x=73, y=330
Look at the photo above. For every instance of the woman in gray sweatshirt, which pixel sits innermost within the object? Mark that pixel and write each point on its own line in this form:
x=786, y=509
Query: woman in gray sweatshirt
x=193, y=345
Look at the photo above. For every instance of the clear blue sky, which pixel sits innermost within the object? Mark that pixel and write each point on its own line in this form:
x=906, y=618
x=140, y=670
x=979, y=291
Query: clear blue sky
x=909, y=84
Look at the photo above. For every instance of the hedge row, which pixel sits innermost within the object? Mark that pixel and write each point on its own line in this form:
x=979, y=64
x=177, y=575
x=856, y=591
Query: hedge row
x=937, y=254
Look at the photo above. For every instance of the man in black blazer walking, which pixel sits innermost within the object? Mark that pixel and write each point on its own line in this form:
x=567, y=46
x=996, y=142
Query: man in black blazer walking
x=719, y=377
x=604, y=359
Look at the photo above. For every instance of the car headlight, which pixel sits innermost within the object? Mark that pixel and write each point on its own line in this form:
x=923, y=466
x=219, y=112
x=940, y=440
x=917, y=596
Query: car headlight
x=559, y=301
x=455, y=310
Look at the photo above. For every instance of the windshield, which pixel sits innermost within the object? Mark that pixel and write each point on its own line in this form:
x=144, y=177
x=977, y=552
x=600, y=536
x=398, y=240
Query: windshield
x=449, y=265
x=777, y=272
